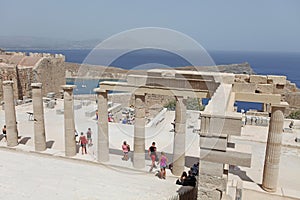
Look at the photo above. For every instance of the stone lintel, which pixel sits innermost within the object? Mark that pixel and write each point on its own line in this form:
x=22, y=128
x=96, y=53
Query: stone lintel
x=281, y=104
x=227, y=115
x=68, y=87
x=260, y=98
x=36, y=85
x=98, y=90
x=117, y=86
x=216, y=143
x=8, y=82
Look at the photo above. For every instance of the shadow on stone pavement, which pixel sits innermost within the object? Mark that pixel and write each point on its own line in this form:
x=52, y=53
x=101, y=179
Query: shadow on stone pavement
x=24, y=140
x=242, y=174
x=49, y=144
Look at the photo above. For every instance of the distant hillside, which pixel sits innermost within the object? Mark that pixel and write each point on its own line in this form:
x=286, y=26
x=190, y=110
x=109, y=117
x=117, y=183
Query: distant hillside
x=25, y=42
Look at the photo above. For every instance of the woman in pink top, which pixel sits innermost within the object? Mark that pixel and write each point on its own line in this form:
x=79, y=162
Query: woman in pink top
x=126, y=149
x=163, y=160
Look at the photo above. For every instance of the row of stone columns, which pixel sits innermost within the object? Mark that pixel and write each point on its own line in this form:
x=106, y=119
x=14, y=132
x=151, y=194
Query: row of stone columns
x=10, y=116
x=103, y=136
x=273, y=150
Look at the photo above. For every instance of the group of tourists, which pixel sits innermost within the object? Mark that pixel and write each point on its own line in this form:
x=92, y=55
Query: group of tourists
x=190, y=178
x=162, y=161
x=84, y=141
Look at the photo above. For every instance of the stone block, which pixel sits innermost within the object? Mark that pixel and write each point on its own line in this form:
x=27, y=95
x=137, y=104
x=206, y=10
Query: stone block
x=242, y=78
x=264, y=88
x=231, y=157
x=223, y=126
x=244, y=87
x=271, y=79
x=212, y=169
x=279, y=89
x=258, y=79
x=217, y=143
x=136, y=80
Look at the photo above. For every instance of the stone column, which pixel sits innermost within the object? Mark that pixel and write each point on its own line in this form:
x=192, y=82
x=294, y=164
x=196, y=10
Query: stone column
x=70, y=143
x=139, y=132
x=273, y=150
x=103, y=137
x=179, y=137
x=10, y=114
x=38, y=113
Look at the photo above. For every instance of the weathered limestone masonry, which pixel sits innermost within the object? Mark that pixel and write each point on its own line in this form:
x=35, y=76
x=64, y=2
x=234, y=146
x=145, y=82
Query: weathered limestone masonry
x=139, y=131
x=38, y=113
x=179, y=137
x=25, y=69
x=103, y=136
x=10, y=114
x=273, y=151
x=70, y=143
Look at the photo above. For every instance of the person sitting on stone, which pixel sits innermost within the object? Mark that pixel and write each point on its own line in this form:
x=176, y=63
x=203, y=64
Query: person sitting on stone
x=195, y=169
x=190, y=180
x=182, y=178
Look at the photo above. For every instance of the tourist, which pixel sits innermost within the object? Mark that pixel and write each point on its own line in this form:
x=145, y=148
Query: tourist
x=173, y=124
x=96, y=114
x=195, y=169
x=181, y=179
x=291, y=124
x=76, y=135
x=89, y=137
x=152, y=155
x=4, y=132
x=163, y=160
x=126, y=149
x=83, y=141
x=190, y=180
x=110, y=117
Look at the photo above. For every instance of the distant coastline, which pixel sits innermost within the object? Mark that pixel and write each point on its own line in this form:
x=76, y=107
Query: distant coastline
x=277, y=63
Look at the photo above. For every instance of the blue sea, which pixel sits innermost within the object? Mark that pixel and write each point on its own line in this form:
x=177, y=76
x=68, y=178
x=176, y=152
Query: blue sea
x=275, y=63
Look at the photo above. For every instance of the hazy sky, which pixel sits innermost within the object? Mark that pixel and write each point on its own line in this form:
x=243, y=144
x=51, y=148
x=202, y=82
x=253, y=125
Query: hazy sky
x=262, y=25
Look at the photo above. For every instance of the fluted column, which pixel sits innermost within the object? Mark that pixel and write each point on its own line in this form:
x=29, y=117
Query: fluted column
x=103, y=137
x=38, y=113
x=10, y=114
x=273, y=150
x=70, y=143
x=139, y=132
x=179, y=137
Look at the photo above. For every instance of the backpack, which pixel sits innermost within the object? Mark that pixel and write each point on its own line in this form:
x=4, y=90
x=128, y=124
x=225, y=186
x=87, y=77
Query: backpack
x=128, y=147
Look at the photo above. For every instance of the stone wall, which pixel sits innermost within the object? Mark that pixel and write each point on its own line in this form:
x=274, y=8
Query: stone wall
x=24, y=69
x=51, y=73
x=8, y=73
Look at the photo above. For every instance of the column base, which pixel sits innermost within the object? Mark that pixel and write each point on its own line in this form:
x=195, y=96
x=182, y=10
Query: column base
x=138, y=160
x=268, y=189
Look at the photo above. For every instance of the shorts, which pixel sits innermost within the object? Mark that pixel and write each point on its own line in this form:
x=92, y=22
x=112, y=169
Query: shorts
x=125, y=152
x=163, y=167
x=83, y=145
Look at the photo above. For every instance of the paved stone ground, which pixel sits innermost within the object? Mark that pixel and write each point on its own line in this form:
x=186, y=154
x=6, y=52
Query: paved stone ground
x=30, y=175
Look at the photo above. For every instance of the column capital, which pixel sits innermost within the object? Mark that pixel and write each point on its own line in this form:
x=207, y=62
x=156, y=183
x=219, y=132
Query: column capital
x=8, y=82
x=36, y=85
x=68, y=87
